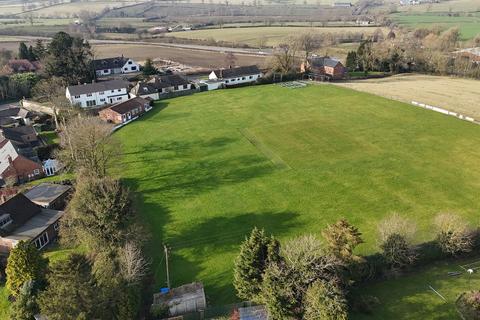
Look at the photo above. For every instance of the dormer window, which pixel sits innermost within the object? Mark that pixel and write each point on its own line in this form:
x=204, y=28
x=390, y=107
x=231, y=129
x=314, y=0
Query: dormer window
x=5, y=220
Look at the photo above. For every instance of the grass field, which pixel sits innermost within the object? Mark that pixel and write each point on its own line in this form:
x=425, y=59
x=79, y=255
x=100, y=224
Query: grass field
x=456, y=94
x=271, y=35
x=444, y=6
x=4, y=303
x=209, y=167
x=469, y=25
x=409, y=297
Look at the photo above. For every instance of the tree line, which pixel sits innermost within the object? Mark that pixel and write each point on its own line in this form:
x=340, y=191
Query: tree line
x=311, y=278
x=102, y=276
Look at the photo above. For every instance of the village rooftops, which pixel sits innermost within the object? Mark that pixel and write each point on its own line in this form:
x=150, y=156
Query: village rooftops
x=237, y=72
x=16, y=211
x=129, y=105
x=86, y=88
x=110, y=63
x=45, y=194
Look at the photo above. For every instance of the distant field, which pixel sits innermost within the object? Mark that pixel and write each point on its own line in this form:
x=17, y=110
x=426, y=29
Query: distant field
x=68, y=9
x=444, y=6
x=271, y=35
x=469, y=26
x=409, y=297
x=456, y=94
x=198, y=58
x=318, y=154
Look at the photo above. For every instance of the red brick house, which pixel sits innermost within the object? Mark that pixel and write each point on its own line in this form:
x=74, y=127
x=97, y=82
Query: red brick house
x=22, y=220
x=125, y=111
x=16, y=167
x=323, y=68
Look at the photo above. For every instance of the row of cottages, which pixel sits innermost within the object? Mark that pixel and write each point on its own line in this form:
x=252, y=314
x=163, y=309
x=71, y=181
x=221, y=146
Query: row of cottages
x=323, y=68
x=97, y=94
x=113, y=66
x=161, y=86
x=233, y=77
x=126, y=111
x=33, y=216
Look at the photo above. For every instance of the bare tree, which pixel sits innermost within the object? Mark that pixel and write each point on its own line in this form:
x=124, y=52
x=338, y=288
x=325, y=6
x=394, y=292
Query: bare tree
x=284, y=58
x=87, y=145
x=133, y=265
x=308, y=42
x=453, y=235
x=230, y=60
x=396, y=224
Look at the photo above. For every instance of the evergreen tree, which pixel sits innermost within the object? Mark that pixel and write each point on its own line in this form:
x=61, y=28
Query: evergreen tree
x=23, y=51
x=324, y=300
x=256, y=252
x=71, y=291
x=342, y=238
x=39, y=49
x=25, y=305
x=149, y=69
x=31, y=54
x=70, y=58
x=25, y=263
x=351, y=62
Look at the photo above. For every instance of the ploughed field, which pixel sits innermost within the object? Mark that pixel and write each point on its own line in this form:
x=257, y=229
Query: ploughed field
x=209, y=167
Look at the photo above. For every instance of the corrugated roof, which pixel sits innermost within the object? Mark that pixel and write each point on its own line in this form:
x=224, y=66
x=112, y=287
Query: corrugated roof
x=46, y=193
x=237, y=72
x=97, y=87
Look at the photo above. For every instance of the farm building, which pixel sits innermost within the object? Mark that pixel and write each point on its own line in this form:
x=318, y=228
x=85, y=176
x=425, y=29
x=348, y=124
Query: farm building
x=323, y=68
x=125, y=111
x=162, y=86
x=234, y=76
x=49, y=195
x=116, y=65
x=21, y=219
x=97, y=93
x=185, y=299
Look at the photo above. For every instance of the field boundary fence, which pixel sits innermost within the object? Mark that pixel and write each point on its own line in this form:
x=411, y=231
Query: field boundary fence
x=445, y=112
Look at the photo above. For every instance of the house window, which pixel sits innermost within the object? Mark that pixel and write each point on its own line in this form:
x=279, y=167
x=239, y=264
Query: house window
x=129, y=62
x=77, y=97
x=102, y=100
x=119, y=90
x=90, y=103
x=250, y=77
x=238, y=79
x=226, y=81
x=113, y=91
x=5, y=220
x=36, y=171
x=232, y=80
x=243, y=78
x=133, y=68
x=41, y=241
x=56, y=226
x=119, y=98
x=102, y=93
x=89, y=94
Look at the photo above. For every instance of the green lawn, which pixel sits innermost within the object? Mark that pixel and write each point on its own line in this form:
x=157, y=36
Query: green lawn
x=410, y=297
x=469, y=25
x=208, y=167
x=4, y=303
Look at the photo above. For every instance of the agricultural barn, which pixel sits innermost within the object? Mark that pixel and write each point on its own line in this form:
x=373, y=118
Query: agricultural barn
x=161, y=86
x=125, y=111
x=323, y=68
x=116, y=65
x=21, y=219
x=185, y=299
x=97, y=93
x=235, y=76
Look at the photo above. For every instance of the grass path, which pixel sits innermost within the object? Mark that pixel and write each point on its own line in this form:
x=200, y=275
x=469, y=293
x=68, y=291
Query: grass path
x=202, y=186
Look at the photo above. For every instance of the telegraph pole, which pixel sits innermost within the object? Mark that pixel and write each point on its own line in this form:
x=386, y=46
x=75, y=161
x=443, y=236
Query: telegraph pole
x=165, y=248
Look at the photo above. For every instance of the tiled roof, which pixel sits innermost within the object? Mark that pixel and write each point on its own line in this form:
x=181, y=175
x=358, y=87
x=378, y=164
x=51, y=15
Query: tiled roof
x=109, y=63
x=324, y=61
x=237, y=72
x=20, y=209
x=129, y=105
x=97, y=87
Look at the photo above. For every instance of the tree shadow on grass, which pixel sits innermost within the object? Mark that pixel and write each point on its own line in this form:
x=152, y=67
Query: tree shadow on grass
x=204, y=246
x=180, y=169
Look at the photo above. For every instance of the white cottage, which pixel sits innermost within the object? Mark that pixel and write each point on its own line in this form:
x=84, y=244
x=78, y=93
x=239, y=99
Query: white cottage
x=236, y=76
x=116, y=65
x=97, y=93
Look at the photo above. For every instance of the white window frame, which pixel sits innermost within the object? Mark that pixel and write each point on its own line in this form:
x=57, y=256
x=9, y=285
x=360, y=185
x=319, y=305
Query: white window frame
x=41, y=239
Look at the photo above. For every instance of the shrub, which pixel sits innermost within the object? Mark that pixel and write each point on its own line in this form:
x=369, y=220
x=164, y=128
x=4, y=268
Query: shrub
x=468, y=304
x=453, y=236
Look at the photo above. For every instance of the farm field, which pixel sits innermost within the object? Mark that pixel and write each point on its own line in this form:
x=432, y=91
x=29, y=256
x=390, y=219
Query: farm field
x=469, y=26
x=270, y=35
x=443, y=6
x=67, y=9
x=409, y=297
x=455, y=94
x=198, y=58
x=208, y=168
